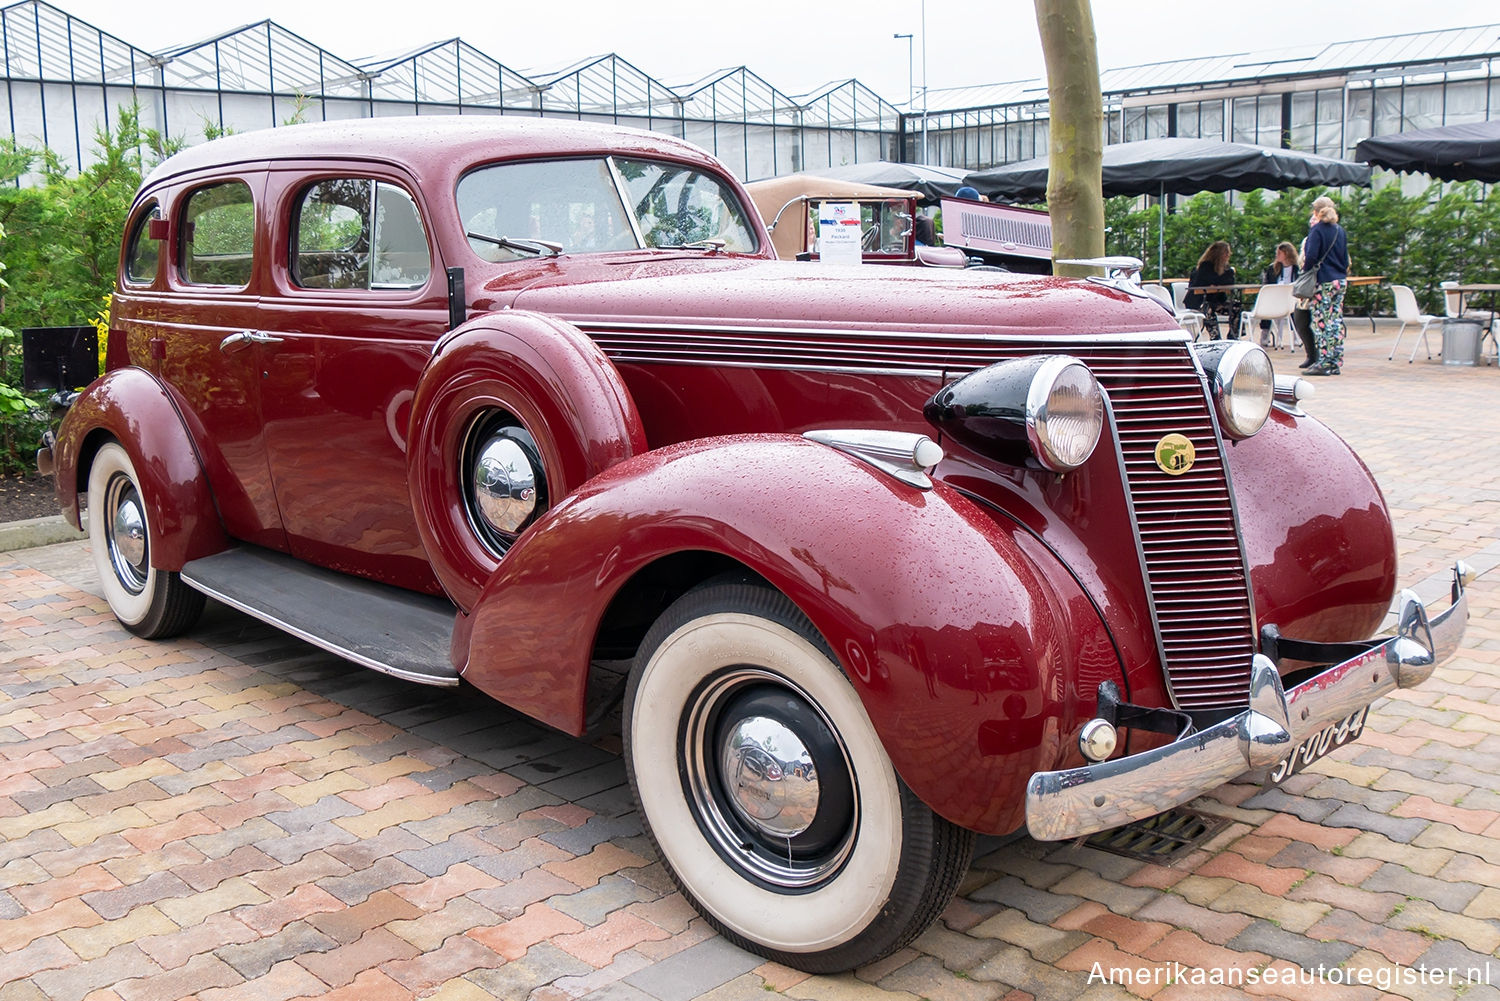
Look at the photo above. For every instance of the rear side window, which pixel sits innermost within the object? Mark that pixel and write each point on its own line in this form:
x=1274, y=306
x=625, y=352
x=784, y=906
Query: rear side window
x=218, y=235
x=143, y=258
x=358, y=233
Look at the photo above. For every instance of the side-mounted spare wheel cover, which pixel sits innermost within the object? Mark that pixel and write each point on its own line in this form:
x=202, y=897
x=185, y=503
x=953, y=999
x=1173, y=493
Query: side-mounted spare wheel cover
x=513, y=413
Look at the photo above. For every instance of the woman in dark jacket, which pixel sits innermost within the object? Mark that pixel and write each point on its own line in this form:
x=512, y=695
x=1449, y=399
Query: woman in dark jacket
x=1327, y=249
x=1213, y=269
x=1282, y=270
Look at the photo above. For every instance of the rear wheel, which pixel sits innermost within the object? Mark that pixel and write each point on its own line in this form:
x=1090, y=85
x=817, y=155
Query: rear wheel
x=149, y=602
x=767, y=792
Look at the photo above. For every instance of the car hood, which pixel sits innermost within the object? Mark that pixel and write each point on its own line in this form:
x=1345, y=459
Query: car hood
x=740, y=292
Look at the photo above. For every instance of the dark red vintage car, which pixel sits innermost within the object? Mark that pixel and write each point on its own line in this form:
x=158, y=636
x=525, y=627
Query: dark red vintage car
x=876, y=558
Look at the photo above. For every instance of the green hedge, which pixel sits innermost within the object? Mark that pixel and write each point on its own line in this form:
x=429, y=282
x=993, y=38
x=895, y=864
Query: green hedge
x=1446, y=232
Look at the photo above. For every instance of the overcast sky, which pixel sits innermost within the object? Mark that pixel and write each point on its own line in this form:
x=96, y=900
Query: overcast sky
x=796, y=45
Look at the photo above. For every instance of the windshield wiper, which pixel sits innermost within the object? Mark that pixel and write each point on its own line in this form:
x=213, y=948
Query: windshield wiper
x=527, y=246
x=713, y=246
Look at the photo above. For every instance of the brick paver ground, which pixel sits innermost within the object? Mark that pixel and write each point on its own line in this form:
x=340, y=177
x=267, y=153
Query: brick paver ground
x=237, y=815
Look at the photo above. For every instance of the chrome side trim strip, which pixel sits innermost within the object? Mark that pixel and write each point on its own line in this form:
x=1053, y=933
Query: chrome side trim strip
x=319, y=641
x=1175, y=336
x=1078, y=801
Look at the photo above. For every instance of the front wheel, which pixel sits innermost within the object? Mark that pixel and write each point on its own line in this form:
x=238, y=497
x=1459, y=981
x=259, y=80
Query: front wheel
x=149, y=602
x=766, y=791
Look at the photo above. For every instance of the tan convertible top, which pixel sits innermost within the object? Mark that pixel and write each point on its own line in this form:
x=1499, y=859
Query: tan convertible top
x=773, y=194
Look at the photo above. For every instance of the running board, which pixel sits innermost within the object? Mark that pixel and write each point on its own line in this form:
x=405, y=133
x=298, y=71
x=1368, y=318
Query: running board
x=392, y=630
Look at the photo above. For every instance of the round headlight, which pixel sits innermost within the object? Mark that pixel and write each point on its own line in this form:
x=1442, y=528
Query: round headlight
x=1244, y=386
x=1064, y=414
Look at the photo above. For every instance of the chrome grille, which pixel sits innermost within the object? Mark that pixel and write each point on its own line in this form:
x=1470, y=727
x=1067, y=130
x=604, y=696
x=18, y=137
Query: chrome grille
x=1190, y=546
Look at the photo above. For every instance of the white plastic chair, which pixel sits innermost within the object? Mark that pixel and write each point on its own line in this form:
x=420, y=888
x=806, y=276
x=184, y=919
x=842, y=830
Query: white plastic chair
x=1188, y=319
x=1274, y=303
x=1407, y=311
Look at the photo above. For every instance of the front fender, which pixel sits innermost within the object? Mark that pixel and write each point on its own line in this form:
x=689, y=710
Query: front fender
x=975, y=655
x=132, y=407
x=1319, y=538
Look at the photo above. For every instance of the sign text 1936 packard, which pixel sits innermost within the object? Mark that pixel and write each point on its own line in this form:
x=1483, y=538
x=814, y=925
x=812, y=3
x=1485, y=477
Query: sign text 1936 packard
x=876, y=558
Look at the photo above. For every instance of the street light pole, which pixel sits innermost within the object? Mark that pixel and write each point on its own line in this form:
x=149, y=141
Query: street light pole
x=924, y=82
x=910, y=89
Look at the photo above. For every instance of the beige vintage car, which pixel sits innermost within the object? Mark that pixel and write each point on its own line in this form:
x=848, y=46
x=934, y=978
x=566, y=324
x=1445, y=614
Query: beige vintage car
x=789, y=205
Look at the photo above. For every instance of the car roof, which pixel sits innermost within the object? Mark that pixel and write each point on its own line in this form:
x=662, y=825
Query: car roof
x=426, y=141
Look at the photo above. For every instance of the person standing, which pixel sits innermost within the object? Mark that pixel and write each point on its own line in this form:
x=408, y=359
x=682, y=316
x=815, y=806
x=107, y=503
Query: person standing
x=1327, y=250
x=1282, y=270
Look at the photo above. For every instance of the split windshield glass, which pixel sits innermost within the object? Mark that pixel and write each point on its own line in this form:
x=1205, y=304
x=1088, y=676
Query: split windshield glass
x=599, y=204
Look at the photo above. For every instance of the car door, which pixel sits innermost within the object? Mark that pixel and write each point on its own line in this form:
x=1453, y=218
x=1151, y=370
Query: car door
x=357, y=299
x=203, y=341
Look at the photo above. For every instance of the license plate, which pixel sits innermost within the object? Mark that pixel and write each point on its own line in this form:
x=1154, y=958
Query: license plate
x=1319, y=744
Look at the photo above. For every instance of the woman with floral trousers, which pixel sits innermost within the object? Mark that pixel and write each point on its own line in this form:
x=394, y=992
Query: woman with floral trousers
x=1326, y=249
x=1328, y=324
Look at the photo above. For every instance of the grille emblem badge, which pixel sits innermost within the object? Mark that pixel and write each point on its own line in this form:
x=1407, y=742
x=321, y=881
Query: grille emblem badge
x=1175, y=454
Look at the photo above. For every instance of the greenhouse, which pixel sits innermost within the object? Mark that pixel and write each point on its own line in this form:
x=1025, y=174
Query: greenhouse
x=65, y=79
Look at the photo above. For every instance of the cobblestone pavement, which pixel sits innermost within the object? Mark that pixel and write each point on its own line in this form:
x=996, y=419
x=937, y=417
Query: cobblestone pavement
x=236, y=815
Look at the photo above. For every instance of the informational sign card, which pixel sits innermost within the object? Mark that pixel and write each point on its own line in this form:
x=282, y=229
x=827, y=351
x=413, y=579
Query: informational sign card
x=839, y=233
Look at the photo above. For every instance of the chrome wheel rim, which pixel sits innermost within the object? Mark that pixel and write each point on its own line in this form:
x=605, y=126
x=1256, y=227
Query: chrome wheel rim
x=125, y=533
x=504, y=482
x=768, y=779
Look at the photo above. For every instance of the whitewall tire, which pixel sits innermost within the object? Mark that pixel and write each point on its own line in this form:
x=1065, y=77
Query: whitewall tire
x=149, y=602
x=767, y=792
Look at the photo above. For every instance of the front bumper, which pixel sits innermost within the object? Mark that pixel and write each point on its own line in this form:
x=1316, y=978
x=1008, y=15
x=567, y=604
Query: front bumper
x=1079, y=801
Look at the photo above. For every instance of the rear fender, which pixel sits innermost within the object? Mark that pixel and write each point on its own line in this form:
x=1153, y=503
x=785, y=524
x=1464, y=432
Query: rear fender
x=975, y=654
x=130, y=406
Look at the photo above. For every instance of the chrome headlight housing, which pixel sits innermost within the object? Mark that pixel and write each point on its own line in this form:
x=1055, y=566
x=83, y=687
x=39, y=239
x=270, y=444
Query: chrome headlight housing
x=1045, y=411
x=1242, y=382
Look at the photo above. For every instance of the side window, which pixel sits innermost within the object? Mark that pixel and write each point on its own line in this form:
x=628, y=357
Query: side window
x=331, y=242
x=401, y=259
x=143, y=258
x=218, y=235
x=357, y=233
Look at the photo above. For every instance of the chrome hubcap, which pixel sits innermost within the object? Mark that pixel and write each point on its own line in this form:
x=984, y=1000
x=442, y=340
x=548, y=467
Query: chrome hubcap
x=504, y=484
x=769, y=777
x=125, y=526
x=768, y=780
x=505, y=487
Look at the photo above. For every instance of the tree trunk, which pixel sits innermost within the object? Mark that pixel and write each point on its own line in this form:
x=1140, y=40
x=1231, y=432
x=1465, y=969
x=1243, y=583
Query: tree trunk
x=1075, y=191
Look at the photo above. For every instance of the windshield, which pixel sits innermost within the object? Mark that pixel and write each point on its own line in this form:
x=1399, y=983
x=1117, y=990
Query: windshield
x=520, y=210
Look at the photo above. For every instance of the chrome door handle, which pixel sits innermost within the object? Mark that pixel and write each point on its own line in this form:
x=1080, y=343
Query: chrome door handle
x=245, y=338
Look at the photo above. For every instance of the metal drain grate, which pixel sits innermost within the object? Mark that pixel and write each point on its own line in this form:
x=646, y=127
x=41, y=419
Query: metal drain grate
x=1165, y=837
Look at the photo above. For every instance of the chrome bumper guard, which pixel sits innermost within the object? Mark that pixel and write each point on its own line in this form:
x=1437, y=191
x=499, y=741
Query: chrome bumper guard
x=1080, y=801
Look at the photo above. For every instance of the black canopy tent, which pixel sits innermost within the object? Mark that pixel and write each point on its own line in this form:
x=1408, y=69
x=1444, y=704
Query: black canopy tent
x=930, y=182
x=1180, y=166
x=1468, y=152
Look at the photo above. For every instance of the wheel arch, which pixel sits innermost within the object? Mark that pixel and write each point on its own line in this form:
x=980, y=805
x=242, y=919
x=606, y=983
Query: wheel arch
x=131, y=407
x=652, y=588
